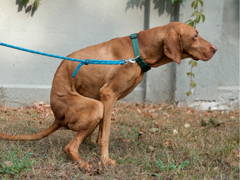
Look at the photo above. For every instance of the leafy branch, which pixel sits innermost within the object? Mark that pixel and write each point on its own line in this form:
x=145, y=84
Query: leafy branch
x=196, y=18
x=30, y=6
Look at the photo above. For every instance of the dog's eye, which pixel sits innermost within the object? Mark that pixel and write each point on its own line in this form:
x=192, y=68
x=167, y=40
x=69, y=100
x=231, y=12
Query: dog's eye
x=195, y=37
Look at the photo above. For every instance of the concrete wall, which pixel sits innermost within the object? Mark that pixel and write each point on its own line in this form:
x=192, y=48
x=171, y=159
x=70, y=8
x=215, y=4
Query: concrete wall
x=217, y=81
x=61, y=28
x=66, y=26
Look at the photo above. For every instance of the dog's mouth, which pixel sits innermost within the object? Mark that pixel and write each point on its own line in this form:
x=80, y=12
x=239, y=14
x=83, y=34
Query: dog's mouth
x=191, y=56
x=194, y=58
x=204, y=57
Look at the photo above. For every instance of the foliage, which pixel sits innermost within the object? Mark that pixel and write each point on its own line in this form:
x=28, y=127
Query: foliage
x=171, y=166
x=30, y=6
x=140, y=3
x=160, y=5
x=13, y=165
x=197, y=17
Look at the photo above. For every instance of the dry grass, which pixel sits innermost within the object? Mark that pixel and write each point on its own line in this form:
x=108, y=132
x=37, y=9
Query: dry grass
x=148, y=142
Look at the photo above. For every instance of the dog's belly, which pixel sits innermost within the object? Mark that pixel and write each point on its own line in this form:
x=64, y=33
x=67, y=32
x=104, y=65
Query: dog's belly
x=120, y=79
x=89, y=91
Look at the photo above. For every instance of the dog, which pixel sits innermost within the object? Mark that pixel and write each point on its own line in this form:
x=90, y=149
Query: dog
x=86, y=101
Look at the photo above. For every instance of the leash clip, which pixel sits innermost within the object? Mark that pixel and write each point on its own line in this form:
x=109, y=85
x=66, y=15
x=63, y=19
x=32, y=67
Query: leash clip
x=132, y=60
x=86, y=61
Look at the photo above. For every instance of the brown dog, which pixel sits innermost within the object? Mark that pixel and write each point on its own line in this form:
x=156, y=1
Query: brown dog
x=84, y=102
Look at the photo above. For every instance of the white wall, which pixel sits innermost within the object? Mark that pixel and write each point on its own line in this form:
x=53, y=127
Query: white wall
x=61, y=27
x=58, y=27
x=218, y=85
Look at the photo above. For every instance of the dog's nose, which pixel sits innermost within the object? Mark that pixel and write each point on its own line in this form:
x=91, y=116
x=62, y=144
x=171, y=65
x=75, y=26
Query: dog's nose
x=213, y=48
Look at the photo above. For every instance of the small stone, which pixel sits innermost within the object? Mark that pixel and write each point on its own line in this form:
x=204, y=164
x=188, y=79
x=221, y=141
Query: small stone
x=151, y=148
x=175, y=131
x=186, y=125
x=153, y=130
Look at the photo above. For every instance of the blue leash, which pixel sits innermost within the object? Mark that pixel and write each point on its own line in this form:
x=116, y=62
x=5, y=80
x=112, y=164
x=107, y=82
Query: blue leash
x=138, y=59
x=81, y=61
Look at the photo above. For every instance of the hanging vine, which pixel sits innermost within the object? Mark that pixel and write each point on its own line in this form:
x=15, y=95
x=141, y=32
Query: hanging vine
x=197, y=17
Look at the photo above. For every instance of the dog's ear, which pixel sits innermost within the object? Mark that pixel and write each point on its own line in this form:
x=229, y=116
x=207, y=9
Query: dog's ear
x=172, y=46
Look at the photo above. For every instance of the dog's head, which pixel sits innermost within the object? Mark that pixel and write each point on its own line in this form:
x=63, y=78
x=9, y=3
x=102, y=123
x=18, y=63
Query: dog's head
x=183, y=41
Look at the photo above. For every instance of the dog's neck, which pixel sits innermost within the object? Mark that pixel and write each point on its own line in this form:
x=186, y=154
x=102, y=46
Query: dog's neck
x=151, y=48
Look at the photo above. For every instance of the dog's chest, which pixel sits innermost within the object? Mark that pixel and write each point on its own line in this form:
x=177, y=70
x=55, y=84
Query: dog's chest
x=132, y=85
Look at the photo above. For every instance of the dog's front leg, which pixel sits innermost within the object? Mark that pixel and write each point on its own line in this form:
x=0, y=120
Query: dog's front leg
x=108, y=99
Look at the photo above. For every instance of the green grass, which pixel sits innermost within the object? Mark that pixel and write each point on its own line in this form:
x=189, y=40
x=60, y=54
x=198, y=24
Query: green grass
x=148, y=142
x=13, y=164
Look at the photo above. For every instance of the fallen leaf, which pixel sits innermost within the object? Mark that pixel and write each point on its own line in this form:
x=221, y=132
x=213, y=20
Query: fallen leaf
x=151, y=148
x=153, y=130
x=8, y=163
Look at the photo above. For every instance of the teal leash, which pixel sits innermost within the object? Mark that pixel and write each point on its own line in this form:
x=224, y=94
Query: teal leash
x=138, y=59
x=81, y=61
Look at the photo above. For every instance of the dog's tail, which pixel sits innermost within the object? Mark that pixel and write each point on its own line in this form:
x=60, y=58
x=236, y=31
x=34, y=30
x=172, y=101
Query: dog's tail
x=31, y=137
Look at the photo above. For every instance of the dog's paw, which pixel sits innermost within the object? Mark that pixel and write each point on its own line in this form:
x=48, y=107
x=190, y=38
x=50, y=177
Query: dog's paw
x=85, y=166
x=107, y=162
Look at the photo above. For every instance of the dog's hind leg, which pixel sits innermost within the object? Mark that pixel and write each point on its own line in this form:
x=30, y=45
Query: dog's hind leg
x=82, y=116
x=72, y=149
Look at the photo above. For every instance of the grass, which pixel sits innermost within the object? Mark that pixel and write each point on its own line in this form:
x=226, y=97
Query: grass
x=12, y=164
x=148, y=141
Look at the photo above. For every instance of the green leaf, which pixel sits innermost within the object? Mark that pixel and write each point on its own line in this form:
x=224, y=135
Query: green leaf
x=188, y=21
x=183, y=164
x=203, y=17
x=191, y=74
x=195, y=13
x=191, y=23
x=201, y=2
x=36, y=4
x=24, y=2
x=189, y=93
x=198, y=18
x=160, y=165
x=176, y=1
x=194, y=4
x=13, y=165
x=172, y=167
x=193, y=84
x=193, y=63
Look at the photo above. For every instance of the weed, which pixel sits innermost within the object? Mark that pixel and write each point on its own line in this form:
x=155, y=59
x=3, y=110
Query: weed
x=12, y=164
x=171, y=166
